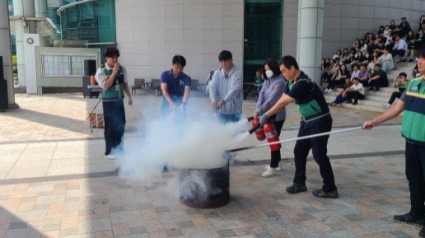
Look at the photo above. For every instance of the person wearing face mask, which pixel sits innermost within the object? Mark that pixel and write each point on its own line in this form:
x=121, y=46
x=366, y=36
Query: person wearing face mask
x=273, y=87
x=315, y=119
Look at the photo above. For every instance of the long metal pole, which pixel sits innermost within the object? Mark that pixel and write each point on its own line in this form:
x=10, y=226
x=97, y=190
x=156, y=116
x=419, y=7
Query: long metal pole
x=297, y=138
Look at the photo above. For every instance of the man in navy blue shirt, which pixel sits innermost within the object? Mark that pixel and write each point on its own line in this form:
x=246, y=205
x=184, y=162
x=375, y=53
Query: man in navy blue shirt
x=175, y=86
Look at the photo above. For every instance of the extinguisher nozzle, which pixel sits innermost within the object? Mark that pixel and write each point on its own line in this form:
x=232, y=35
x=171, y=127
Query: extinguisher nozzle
x=252, y=130
x=250, y=118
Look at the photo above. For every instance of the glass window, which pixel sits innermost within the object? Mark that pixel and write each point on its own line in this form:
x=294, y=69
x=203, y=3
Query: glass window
x=63, y=65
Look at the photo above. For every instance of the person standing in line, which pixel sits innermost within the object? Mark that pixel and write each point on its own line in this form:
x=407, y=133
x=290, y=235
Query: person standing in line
x=226, y=92
x=175, y=87
x=210, y=75
x=273, y=88
x=316, y=118
x=112, y=78
x=411, y=103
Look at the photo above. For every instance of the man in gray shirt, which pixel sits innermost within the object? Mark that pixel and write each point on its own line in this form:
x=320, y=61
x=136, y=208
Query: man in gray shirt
x=225, y=89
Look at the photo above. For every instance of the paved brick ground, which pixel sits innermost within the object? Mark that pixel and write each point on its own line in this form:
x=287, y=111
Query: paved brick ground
x=55, y=182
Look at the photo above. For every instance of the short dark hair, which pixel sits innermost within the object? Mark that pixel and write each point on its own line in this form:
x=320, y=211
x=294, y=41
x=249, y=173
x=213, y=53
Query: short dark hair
x=224, y=55
x=273, y=65
x=356, y=78
x=289, y=61
x=403, y=74
x=179, y=59
x=111, y=51
x=378, y=65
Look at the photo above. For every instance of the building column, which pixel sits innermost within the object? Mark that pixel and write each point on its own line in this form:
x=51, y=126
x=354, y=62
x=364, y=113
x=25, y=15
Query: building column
x=22, y=8
x=310, y=33
x=6, y=53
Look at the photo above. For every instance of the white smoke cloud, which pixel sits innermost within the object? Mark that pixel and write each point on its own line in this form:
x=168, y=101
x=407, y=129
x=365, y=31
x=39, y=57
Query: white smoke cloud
x=197, y=141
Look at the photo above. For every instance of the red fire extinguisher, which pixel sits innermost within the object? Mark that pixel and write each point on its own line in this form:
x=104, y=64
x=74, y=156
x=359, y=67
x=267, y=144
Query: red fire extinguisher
x=259, y=133
x=271, y=136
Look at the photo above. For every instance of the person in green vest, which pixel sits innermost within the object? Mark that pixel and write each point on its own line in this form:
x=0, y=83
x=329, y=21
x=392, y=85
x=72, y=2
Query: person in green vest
x=315, y=118
x=112, y=78
x=412, y=104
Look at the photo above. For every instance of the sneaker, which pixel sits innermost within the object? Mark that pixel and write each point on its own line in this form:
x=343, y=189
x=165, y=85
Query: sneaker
x=269, y=172
x=296, y=188
x=422, y=232
x=111, y=156
x=407, y=218
x=322, y=194
x=278, y=168
x=385, y=106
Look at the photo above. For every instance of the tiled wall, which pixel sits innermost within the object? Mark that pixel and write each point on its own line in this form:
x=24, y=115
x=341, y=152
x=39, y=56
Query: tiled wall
x=150, y=32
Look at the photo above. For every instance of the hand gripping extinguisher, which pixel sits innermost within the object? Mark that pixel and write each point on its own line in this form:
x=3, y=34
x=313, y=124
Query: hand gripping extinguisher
x=256, y=127
x=271, y=136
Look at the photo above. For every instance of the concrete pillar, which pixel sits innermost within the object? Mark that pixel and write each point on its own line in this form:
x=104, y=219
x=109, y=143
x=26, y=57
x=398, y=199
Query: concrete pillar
x=40, y=8
x=22, y=8
x=310, y=33
x=5, y=51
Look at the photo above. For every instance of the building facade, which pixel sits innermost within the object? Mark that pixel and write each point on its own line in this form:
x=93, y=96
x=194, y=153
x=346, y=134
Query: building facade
x=150, y=32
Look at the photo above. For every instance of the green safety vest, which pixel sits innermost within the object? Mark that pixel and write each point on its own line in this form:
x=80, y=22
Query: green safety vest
x=111, y=92
x=309, y=109
x=412, y=126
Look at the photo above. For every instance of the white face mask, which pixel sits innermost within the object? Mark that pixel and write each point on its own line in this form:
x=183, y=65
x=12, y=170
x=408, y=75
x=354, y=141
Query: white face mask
x=269, y=74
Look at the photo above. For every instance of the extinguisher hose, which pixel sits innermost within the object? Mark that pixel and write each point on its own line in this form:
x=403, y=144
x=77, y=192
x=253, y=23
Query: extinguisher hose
x=296, y=138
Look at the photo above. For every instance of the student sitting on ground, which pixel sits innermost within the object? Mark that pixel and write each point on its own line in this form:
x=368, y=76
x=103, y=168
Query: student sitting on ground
x=400, y=82
x=356, y=92
x=378, y=79
x=335, y=80
x=386, y=60
x=364, y=75
x=340, y=98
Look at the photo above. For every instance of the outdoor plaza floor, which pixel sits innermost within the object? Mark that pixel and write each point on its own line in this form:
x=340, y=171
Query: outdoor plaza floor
x=56, y=182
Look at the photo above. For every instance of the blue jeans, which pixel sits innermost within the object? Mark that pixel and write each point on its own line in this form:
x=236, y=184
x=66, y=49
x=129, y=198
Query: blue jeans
x=114, y=118
x=225, y=118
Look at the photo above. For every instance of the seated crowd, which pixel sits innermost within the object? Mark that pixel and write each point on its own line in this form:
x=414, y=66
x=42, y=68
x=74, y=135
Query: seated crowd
x=367, y=62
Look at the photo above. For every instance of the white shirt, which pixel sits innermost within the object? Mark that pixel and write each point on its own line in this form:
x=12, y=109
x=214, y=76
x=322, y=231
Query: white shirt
x=101, y=76
x=400, y=45
x=359, y=88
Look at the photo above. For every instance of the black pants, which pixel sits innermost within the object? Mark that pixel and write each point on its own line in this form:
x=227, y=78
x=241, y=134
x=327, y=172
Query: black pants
x=319, y=148
x=275, y=155
x=394, y=95
x=376, y=84
x=114, y=118
x=415, y=173
x=354, y=95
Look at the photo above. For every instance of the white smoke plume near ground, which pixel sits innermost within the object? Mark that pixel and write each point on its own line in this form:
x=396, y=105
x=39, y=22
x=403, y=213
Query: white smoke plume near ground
x=197, y=141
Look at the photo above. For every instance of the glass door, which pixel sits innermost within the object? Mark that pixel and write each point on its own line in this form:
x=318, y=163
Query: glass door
x=262, y=34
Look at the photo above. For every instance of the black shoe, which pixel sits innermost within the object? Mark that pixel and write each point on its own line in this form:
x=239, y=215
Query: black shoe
x=422, y=232
x=349, y=101
x=370, y=89
x=354, y=103
x=376, y=89
x=296, y=188
x=407, y=218
x=322, y=194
